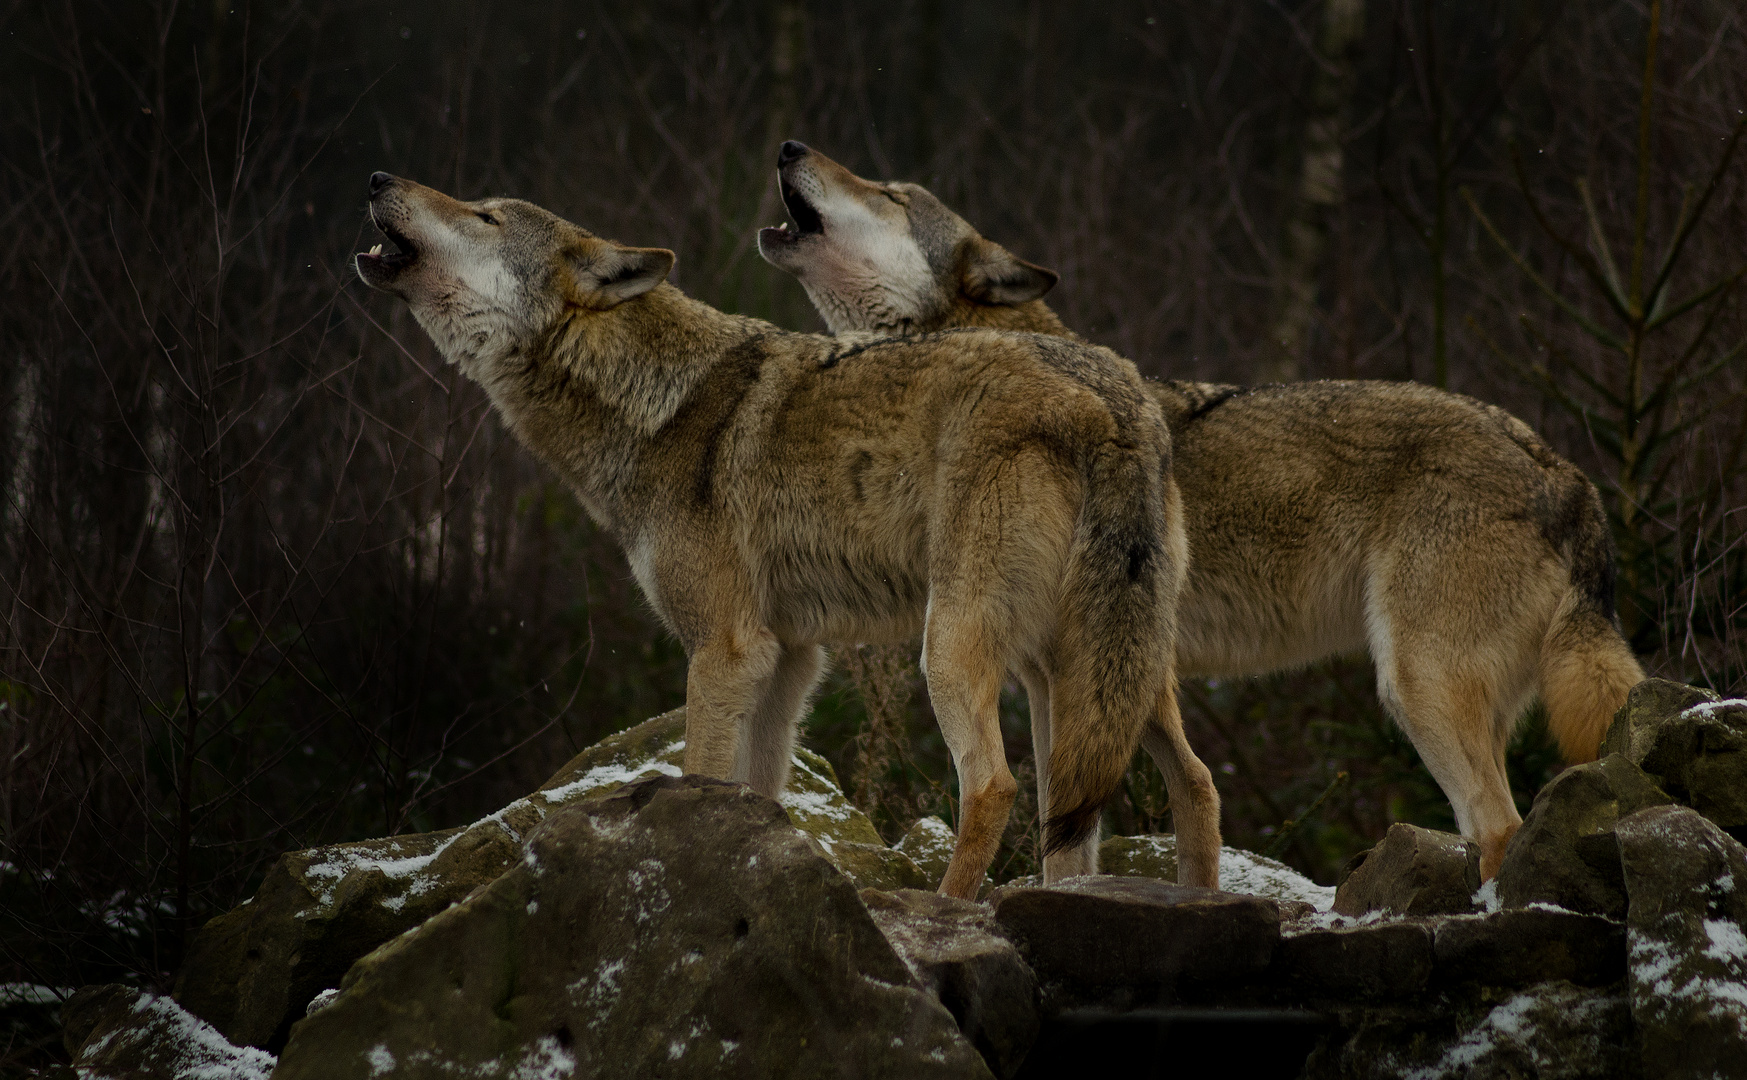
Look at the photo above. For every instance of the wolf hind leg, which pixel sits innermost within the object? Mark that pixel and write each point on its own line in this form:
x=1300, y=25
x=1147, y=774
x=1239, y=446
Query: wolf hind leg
x=1189, y=784
x=964, y=685
x=1083, y=858
x=1456, y=717
x=767, y=735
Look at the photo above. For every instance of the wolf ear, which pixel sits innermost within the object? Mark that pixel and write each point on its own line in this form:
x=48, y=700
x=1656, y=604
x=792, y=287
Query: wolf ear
x=994, y=275
x=610, y=275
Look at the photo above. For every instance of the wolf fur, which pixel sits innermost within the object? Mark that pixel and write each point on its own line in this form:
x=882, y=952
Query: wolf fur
x=1324, y=517
x=1006, y=494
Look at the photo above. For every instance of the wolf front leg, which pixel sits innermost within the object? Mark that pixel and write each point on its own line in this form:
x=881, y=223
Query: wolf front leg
x=729, y=673
x=767, y=736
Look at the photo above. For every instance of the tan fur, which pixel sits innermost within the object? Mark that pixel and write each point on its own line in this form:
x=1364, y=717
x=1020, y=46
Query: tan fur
x=1438, y=532
x=1006, y=494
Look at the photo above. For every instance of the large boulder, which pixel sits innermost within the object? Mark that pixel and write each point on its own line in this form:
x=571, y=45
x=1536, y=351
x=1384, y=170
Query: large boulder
x=116, y=1031
x=1414, y=871
x=1566, y=854
x=677, y=927
x=1694, y=745
x=1687, y=927
x=1154, y=855
x=957, y=952
x=1552, y=1031
x=253, y=971
x=1126, y=942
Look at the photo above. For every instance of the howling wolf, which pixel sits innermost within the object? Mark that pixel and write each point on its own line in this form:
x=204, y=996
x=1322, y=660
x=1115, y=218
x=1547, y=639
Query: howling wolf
x=1007, y=494
x=1322, y=517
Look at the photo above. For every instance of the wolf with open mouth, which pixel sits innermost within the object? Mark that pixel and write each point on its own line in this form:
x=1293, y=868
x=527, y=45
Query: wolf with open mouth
x=1438, y=532
x=1006, y=494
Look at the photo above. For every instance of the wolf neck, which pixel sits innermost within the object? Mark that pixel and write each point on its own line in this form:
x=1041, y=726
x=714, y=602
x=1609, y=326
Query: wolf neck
x=592, y=393
x=1033, y=317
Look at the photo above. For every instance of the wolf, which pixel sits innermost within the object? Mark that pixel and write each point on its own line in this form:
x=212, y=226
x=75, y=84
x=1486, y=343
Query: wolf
x=1438, y=532
x=1006, y=494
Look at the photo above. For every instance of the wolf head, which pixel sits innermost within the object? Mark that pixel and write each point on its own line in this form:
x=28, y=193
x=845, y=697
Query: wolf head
x=887, y=256
x=484, y=278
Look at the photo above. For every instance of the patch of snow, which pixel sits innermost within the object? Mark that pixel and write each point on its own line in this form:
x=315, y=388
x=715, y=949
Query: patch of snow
x=196, y=1050
x=381, y=1061
x=1258, y=875
x=1486, y=897
x=19, y=993
x=546, y=1060
x=336, y=863
x=830, y=805
x=1708, y=707
x=1727, y=942
x=321, y=1001
x=613, y=773
x=1512, y=1024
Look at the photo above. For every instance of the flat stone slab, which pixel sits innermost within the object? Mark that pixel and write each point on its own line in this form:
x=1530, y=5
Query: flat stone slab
x=1146, y=941
x=1523, y=946
x=1380, y=962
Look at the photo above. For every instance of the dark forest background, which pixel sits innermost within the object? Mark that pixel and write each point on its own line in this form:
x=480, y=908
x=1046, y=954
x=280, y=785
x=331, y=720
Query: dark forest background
x=273, y=576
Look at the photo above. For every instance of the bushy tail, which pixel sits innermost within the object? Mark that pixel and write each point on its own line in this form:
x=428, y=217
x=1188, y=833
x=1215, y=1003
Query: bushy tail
x=1114, y=643
x=1586, y=666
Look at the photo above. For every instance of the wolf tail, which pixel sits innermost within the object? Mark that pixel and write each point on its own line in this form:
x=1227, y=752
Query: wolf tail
x=1114, y=644
x=1586, y=667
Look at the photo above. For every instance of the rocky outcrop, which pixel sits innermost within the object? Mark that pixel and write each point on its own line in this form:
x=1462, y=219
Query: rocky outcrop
x=958, y=953
x=1692, y=744
x=1414, y=871
x=1566, y=854
x=678, y=927
x=253, y=971
x=1687, y=926
x=120, y=1031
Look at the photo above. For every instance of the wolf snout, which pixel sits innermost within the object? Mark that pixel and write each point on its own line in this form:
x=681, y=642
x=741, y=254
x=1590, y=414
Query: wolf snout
x=789, y=151
x=379, y=180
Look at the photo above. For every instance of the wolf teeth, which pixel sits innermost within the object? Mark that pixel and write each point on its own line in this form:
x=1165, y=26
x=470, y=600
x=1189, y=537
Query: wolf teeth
x=377, y=250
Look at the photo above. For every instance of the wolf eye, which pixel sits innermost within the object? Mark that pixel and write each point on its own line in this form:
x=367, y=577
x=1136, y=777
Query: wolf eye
x=897, y=198
x=485, y=217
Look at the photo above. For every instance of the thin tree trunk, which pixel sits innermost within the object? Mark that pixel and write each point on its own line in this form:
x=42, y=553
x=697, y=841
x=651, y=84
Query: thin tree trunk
x=1320, y=191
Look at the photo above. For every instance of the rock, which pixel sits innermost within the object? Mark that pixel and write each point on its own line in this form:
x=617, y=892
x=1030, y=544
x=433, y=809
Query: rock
x=1414, y=871
x=1687, y=883
x=1648, y=705
x=929, y=845
x=252, y=972
x=120, y=1031
x=1155, y=856
x=956, y=951
x=677, y=927
x=1694, y=745
x=1380, y=962
x=1565, y=854
x=1130, y=941
x=1552, y=1031
x=1520, y=947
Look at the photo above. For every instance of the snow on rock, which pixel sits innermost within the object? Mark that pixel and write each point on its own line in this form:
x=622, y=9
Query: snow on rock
x=1686, y=947
x=1240, y=871
x=1560, y=1029
x=128, y=1032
